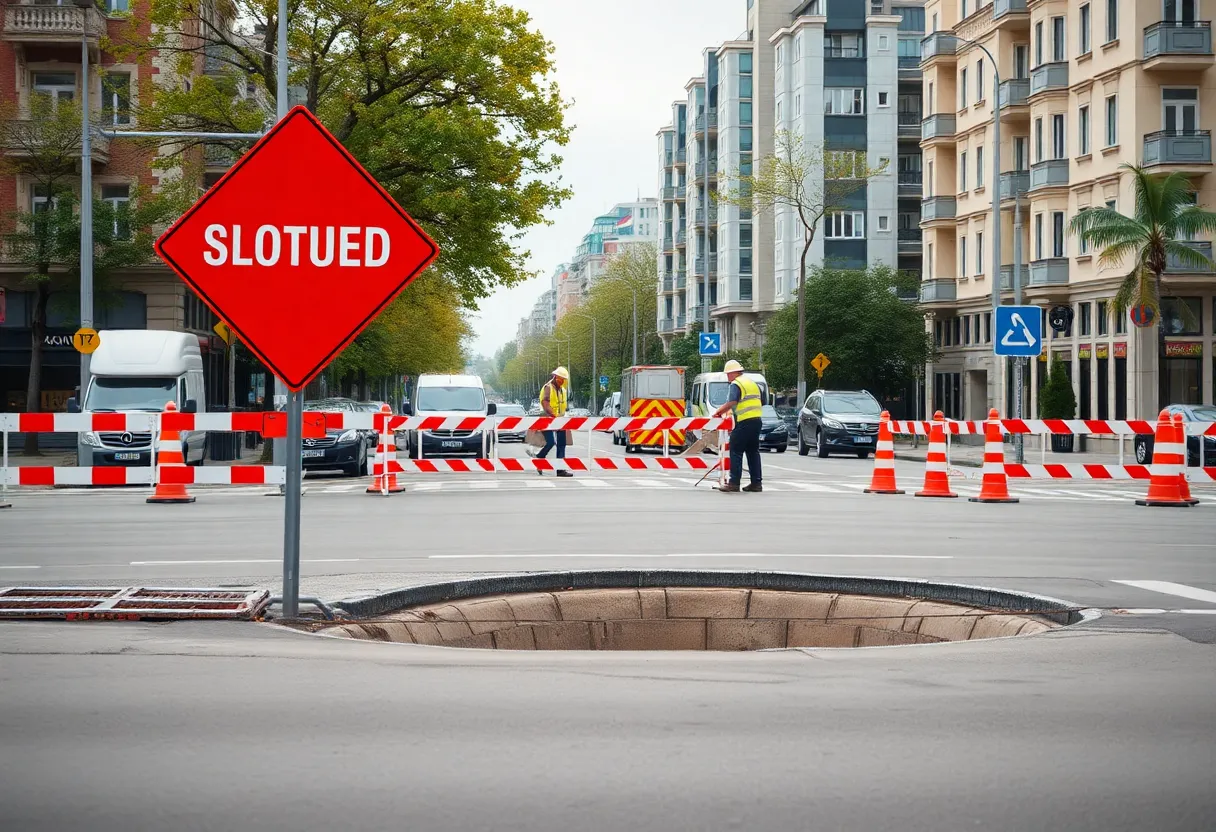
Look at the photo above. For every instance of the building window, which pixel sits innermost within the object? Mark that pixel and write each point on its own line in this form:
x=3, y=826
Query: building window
x=962, y=88
x=844, y=164
x=1085, y=313
x=1038, y=139
x=798, y=105
x=116, y=98
x=745, y=86
x=1085, y=29
x=844, y=101
x=745, y=112
x=1112, y=120
x=114, y=6
x=962, y=257
x=797, y=49
x=884, y=222
x=817, y=7
x=745, y=62
x=967, y=330
x=745, y=261
x=845, y=225
x=1057, y=233
x=979, y=252
x=965, y=11
x=118, y=197
x=844, y=46
x=1038, y=236
x=979, y=166
x=1112, y=20
x=911, y=19
x=987, y=327
x=884, y=99
x=745, y=139
x=979, y=80
x=780, y=55
x=1083, y=129
x=40, y=200
x=1057, y=136
x=1057, y=39
x=745, y=236
x=1082, y=241
x=929, y=260
x=56, y=87
x=1038, y=43
x=1020, y=162
x=884, y=43
x=1180, y=107
x=1182, y=316
x=1021, y=60
x=962, y=171
x=1103, y=314
x=778, y=112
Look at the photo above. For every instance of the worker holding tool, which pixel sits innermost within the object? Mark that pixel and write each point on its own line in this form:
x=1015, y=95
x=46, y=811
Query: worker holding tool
x=745, y=400
x=553, y=402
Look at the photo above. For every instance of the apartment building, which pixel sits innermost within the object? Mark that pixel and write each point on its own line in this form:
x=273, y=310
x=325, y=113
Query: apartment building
x=625, y=224
x=795, y=69
x=1086, y=85
x=40, y=55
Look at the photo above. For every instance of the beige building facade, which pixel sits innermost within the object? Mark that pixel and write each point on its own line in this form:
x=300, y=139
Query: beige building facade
x=1085, y=86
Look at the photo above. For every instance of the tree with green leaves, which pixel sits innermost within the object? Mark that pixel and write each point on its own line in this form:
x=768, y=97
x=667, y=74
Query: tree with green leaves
x=1057, y=399
x=810, y=182
x=874, y=340
x=44, y=148
x=1165, y=217
x=449, y=104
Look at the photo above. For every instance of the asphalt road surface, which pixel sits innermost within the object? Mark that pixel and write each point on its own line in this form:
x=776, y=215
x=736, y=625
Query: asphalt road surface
x=1107, y=725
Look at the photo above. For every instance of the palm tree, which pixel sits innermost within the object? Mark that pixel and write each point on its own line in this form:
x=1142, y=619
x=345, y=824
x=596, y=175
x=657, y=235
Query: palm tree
x=1165, y=217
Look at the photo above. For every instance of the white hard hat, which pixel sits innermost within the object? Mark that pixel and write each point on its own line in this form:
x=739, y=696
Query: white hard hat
x=562, y=372
x=733, y=366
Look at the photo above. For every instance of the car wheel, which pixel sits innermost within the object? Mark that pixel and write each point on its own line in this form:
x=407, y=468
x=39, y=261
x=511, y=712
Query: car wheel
x=781, y=450
x=821, y=448
x=363, y=466
x=803, y=448
x=1144, y=450
x=862, y=454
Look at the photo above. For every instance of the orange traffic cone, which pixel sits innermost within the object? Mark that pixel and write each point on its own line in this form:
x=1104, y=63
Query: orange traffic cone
x=1184, y=487
x=169, y=455
x=1169, y=457
x=937, y=481
x=995, y=485
x=386, y=481
x=883, y=481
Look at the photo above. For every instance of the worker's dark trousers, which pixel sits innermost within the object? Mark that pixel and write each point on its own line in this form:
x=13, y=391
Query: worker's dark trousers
x=745, y=439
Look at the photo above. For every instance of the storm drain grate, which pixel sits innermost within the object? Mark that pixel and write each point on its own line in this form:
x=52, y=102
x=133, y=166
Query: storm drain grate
x=132, y=603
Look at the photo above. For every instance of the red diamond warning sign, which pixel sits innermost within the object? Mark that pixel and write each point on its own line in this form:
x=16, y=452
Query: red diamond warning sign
x=297, y=248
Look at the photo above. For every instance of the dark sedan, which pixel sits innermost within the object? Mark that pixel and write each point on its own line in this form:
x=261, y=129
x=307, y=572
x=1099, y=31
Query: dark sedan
x=1190, y=413
x=339, y=450
x=774, y=434
x=838, y=420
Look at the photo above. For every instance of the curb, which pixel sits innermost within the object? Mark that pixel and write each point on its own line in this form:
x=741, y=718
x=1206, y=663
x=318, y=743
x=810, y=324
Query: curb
x=959, y=463
x=370, y=606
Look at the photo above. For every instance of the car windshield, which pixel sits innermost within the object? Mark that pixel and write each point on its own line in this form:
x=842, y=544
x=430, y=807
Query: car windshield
x=769, y=412
x=511, y=410
x=108, y=394
x=1204, y=414
x=368, y=407
x=450, y=399
x=718, y=392
x=851, y=404
x=325, y=407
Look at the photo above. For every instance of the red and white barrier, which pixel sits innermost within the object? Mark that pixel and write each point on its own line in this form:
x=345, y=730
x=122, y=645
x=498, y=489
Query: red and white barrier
x=1081, y=471
x=225, y=475
x=512, y=465
x=1091, y=427
x=48, y=475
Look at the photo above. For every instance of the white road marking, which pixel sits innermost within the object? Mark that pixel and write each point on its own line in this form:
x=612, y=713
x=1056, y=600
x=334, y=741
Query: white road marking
x=1169, y=588
x=224, y=562
x=539, y=484
x=553, y=555
x=20, y=567
x=483, y=484
x=590, y=482
x=808, y=486
x=1166, y=612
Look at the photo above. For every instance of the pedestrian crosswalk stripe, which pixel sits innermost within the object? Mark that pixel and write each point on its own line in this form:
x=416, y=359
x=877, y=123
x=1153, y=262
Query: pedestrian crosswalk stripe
x=589, y=482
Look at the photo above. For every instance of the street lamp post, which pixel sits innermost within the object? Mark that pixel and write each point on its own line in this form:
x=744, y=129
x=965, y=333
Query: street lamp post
x=86, y=196
x=595, y=370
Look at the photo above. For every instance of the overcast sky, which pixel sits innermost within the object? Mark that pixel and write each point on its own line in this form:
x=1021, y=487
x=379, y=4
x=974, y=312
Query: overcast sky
x=622, y=63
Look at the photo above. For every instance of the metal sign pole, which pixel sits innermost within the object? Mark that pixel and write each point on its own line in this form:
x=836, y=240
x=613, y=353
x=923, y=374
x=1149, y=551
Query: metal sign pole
x=291, y=506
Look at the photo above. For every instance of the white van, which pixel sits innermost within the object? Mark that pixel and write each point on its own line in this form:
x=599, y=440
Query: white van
x=437, y=394
x=710, y=391
x=140, y=370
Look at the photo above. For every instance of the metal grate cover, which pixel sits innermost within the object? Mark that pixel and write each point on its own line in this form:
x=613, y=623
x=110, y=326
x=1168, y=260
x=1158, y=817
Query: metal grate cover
x=132, y=603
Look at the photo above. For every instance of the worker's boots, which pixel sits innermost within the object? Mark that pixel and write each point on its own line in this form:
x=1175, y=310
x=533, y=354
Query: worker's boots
x=729, y=488
x=754, y=487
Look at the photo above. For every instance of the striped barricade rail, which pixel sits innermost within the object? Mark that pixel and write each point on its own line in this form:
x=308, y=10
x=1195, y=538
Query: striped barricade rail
x=923, y=427
x=47, y=475
x=1087, y=471
x=452, y=421
x=224, y=475
x=522, y=466
x=1039, y=427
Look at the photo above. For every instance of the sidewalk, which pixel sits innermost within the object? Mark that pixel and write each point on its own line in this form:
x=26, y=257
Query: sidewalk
x=971, y=455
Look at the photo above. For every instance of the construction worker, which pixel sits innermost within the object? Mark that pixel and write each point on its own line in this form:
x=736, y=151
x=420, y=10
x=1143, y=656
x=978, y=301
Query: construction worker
x=553, y=402
x=746, y=401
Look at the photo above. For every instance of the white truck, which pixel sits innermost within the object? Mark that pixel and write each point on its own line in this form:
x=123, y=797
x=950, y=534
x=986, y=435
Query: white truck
x=139, y=370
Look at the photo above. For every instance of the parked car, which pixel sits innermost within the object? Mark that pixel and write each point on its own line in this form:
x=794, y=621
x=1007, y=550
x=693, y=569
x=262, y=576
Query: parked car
x=789, y=415
x=838, y=420
x=342, y=450
x=1190, y=413
x=774, y=436
x=516, y=434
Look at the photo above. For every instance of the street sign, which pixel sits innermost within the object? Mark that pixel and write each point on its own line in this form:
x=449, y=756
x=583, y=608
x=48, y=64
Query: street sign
x=711, y=343
x=221, y=329
x=297, y=249
x=820, y=364
x=86, y=340
x=1142, y=316
x=603, y=381
x=1019, y=331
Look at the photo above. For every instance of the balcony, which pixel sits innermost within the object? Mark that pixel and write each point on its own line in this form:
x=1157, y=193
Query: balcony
x=699, y=123
x=909, y=124
x=938, y=45
x=938, y=290
x=681, y=280
x=1007, y=277
x=1050, y=272
x=666, y=325
x=23, y=137
x=1050, y=173
x=937, y=126
x=1013, y=183
x=699, y=168
x=1051, y=77
x=910, y=182
x=669, y=193
x=699, y=266
x=681, y=322
x=1170, y=45
x=681, y=238
x=1175, y=265
x=681, y=158
x=699, y=218
x=668, y=286
x=668, y=245
x=937, y=208
x=1013, y=96
x=53, y=24
x=910, y=238
x=1011, y=14
x=1185, y=149
x=909, y=65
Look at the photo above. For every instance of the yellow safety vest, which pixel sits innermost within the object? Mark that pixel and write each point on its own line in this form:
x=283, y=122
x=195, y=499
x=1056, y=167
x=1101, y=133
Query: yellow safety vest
x=749, y=404
x=556, y=396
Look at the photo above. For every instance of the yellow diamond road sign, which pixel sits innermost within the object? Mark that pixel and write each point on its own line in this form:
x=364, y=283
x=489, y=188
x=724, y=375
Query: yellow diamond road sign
x=820, y=363
x=86, y=340
x=221, y=329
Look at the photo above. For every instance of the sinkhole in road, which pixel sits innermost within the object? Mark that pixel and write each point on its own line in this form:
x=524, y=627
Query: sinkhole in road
x=677, y=610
